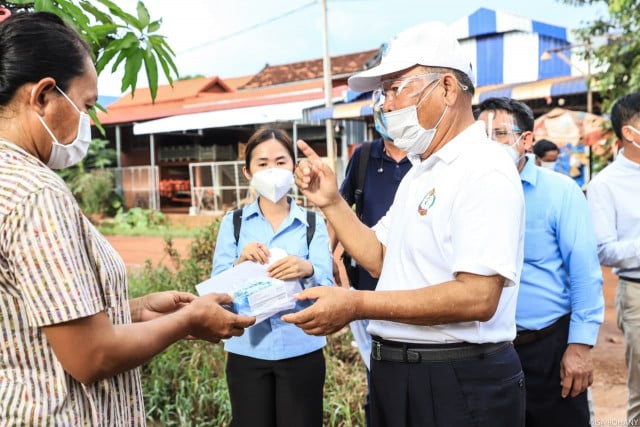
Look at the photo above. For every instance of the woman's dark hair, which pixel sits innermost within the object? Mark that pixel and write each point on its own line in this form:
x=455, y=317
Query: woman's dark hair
x=265, y=134
x=38, y=45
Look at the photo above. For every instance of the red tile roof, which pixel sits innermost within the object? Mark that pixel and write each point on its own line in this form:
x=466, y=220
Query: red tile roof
x=300, y=81
x=308, y=70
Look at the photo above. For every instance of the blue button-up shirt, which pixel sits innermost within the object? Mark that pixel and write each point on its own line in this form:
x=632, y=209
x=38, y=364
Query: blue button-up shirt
x=561, y=272
x=274, y=339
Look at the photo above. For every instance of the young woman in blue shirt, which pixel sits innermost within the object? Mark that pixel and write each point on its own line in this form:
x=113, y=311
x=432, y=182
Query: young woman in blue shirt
x=275, y=372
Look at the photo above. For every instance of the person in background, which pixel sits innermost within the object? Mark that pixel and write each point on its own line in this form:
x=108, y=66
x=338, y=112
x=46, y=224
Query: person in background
x=275, y=372
x=448, y=252
x=546, y=154
x=72, y=339
x=612, y=196
x=385, y=167
x=560, y=302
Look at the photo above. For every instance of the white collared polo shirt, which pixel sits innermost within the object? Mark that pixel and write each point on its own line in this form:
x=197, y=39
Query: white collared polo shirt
x=461, y=210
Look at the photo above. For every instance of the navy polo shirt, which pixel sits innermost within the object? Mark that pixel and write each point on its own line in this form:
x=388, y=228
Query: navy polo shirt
x=381, y=182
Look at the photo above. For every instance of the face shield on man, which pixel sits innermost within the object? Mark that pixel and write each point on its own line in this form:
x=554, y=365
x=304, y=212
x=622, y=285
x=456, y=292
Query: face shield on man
x=402, y=125
x=507, y=133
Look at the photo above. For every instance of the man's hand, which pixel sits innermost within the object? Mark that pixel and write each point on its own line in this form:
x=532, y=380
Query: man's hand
x=290, y=267
x=211, y=322
x=315, y=178
x=158, y=304
x=576, y=369
x=333, y=308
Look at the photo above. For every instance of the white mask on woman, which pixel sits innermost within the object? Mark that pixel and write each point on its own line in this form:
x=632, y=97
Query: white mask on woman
x=408, y=134
x=272, y=184
x=63, y=156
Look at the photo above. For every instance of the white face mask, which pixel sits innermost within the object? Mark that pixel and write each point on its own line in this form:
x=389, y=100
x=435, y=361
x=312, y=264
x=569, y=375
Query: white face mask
x=272, y=184
x=407, y=132
x=548, y=165
x=63, y=156
x=512, y=150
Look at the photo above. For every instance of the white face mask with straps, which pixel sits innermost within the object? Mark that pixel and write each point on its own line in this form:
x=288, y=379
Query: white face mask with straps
x=272, y=184
x=404, y=127
x=63, y=156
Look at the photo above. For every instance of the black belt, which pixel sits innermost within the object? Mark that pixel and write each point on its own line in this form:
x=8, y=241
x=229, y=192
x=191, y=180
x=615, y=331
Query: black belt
x=526, y=337
x=392, y=351
x=629, y=279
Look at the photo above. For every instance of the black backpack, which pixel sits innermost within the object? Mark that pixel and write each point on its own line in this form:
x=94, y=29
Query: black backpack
x=237, y=222
x=350, y=264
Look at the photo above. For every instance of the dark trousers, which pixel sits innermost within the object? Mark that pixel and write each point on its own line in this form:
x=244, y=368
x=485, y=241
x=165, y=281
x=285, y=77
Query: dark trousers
x=484, y=391
x=276, y=393
x=541, y=365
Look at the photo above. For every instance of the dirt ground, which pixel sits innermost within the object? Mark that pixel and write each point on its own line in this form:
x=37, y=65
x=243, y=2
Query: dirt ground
x=609, y=391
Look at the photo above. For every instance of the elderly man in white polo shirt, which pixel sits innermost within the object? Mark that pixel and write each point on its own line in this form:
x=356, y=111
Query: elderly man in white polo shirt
x=448, y=252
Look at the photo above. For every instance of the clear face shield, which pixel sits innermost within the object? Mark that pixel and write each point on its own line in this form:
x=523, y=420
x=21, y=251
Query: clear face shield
x=406, y=88
x=506, y=132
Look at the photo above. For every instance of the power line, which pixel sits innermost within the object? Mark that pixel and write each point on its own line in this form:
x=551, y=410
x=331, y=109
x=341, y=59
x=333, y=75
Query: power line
x=250, y=28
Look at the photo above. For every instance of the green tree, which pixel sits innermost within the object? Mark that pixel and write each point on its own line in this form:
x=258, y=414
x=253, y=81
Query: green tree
x=619, y=56
x=617, y=59
x=116, y=37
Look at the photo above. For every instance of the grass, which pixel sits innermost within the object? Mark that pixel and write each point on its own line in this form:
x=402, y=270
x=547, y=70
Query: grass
x=186, y=384
x=165, y=231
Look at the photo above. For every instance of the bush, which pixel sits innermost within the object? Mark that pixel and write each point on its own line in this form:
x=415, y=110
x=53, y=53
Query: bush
x=186, y=385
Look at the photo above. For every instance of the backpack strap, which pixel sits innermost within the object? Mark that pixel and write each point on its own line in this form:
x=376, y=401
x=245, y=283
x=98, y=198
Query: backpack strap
x=363, y=163
x=311, y=228
x=237, y=222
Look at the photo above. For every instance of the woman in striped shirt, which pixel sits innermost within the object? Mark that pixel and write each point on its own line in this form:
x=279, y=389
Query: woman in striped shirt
x=71, y=339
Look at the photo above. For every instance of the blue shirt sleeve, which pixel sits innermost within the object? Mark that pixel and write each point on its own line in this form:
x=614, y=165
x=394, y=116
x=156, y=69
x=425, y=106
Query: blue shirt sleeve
x=578, y=247
x=226, y=251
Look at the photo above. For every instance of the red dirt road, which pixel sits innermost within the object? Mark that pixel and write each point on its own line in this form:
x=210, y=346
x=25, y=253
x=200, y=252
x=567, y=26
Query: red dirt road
x=609, y=390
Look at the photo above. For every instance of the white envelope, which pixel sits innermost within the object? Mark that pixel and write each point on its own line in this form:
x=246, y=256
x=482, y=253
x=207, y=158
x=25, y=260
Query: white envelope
x=254, y=292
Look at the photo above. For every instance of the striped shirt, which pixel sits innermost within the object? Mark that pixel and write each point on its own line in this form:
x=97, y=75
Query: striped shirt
x=54, y=267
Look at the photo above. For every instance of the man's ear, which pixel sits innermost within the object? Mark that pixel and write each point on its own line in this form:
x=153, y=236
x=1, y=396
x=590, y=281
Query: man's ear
x=527, y=140
x=627, y=134
x=41, y=93
x=452, y=89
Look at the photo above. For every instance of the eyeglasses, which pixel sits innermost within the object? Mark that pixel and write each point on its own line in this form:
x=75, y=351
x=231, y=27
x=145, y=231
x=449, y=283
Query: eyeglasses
x=502, y=134
x=406, y=87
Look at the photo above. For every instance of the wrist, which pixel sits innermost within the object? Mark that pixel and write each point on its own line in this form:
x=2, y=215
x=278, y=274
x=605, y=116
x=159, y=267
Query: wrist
x=136, y=306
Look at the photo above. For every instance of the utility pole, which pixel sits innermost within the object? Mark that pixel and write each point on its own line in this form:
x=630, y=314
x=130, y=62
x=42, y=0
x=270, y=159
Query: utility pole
x=328, y=88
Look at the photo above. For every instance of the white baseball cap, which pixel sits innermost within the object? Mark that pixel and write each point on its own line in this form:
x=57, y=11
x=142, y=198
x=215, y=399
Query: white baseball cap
x=431, y=44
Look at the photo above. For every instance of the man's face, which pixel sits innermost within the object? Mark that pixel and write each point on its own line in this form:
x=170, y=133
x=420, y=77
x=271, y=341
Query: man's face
x=502, y=127
x=550, y=156
x=405, y=88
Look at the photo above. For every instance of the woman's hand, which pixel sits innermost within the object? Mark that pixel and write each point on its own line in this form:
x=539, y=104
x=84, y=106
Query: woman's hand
x=256, y=252
x=290, y=267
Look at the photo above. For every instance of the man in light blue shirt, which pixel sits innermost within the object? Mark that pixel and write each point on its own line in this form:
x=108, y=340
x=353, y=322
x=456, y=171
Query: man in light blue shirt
x=560, y=302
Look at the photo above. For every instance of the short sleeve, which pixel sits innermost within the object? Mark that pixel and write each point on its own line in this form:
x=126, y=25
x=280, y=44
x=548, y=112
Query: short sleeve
x=50, y=259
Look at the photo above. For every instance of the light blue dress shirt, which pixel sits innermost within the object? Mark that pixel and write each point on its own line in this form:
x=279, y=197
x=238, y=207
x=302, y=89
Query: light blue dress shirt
x=561, y=272
x=274, y=339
